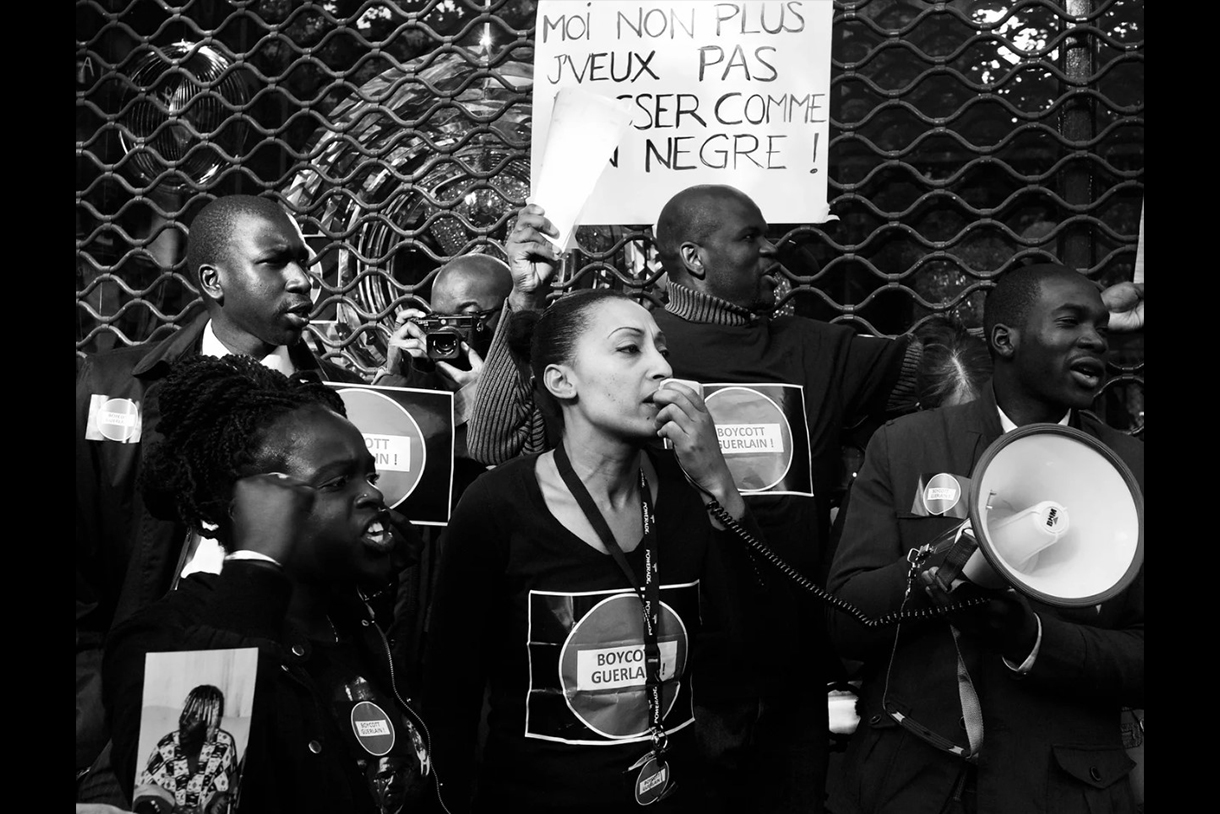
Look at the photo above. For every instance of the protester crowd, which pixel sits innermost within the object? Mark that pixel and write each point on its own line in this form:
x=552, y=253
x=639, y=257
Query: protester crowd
x=601, y=633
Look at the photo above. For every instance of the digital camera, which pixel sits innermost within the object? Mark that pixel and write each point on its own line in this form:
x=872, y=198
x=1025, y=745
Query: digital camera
x=444, y=334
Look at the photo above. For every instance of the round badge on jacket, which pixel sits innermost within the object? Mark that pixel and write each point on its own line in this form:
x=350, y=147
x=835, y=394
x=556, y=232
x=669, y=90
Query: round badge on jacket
x=941, y=494
x=119, y=419
x=372, y=728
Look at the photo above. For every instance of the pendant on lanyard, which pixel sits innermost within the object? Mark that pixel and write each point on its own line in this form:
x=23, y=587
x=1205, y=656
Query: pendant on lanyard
x=654, y=781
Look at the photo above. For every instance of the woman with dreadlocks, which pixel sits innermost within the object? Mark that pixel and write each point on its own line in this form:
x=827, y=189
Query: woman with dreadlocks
x=280, y=478
x=194, y=767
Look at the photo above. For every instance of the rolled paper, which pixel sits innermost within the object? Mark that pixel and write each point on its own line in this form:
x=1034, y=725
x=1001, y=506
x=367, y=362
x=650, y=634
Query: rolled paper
x=585, y=129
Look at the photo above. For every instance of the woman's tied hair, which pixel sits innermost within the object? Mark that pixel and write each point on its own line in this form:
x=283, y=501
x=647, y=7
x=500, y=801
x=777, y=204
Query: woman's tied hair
x=204, y=703
x=954, y=365
x=215, y=413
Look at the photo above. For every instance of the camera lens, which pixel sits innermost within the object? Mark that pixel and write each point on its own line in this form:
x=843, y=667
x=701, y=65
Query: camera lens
x=444, y=344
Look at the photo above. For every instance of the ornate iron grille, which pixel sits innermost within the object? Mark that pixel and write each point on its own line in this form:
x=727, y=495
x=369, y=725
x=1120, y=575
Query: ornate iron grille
x=966, y=136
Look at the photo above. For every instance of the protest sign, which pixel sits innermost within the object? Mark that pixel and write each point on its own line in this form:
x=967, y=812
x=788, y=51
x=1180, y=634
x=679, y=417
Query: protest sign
x=410, y=433
x=587, y=682
x=720, y=92
x=763, y=436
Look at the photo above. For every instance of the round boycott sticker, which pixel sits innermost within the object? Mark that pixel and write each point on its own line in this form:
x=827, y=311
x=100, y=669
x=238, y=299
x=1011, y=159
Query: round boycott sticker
x=754, y=436
x=602, y=666
x=118, y=419
x=393, y=437
x=372, y=728
x=941, y=494
x=652, y=782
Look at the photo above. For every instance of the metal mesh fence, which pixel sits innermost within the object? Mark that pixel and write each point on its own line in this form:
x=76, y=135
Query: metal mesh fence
x=966, y=137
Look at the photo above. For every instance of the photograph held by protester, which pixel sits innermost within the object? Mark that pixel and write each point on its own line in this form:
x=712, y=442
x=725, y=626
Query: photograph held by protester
x=555, y=547
x=193, y=767
x=1049, y=682
x=290, y=486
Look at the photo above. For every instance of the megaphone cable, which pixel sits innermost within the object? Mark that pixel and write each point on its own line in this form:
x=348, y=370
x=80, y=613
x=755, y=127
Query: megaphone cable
x=717, y=511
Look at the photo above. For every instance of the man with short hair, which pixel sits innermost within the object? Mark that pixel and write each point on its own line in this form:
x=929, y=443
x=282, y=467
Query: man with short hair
x=473, y=285
x=1011, y=705
x=248, y=258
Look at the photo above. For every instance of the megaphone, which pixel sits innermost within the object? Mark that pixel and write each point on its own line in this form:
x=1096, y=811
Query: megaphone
x=1053, y=513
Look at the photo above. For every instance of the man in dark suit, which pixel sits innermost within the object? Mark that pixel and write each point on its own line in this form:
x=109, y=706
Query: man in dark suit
x=1049, y=682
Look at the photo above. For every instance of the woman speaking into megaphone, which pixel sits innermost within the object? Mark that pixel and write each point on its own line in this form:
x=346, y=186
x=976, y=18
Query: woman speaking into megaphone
x=1012, y=704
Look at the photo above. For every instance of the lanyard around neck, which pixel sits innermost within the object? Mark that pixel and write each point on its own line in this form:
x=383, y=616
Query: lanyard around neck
x=649, y=594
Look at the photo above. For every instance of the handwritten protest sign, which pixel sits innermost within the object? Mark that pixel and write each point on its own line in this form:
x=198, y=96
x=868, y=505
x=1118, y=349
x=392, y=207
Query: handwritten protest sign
x=721, y=93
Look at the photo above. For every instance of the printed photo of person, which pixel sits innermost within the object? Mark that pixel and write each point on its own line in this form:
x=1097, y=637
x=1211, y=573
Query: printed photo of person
x=193, y=761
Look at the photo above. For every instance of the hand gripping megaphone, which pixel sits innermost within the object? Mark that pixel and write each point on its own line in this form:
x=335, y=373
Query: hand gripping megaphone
x=1053, y=513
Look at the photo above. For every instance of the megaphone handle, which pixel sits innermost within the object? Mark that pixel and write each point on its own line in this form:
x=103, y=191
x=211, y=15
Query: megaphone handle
x=717, y=511
x=961, y=549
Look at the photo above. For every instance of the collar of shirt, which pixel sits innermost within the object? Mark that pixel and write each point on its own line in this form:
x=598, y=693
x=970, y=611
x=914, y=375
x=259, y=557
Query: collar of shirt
x=1007, y=424
x=695, y=306
x=278, y=359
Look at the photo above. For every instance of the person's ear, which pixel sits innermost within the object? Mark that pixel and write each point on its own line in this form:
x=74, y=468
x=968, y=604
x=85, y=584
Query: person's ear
x=692, y=260
x=1004, y=341
x=209, y=281
x=557, y=380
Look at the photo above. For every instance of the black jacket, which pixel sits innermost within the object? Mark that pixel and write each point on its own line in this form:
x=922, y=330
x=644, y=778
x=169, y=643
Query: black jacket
x=299, y=758
x=1051, y=737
